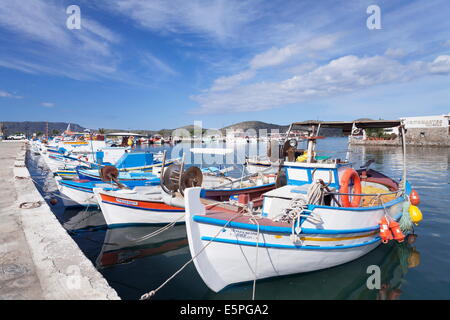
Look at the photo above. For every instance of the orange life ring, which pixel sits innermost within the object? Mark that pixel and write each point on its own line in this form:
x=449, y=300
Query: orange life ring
x=350, y=174
x=83, y=158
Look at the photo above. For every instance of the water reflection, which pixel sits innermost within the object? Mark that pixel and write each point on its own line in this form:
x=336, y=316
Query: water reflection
x=347, y=281
x=124, y=245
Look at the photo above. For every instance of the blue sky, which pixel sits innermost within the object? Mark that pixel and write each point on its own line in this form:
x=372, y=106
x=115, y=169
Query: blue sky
x=163, y=64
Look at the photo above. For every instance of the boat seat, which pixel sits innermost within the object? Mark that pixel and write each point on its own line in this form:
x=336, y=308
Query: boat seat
x=275, y=201
x=288, y=191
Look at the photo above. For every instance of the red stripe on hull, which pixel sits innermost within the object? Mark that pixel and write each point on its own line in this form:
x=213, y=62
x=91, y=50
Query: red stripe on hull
x=139, y=204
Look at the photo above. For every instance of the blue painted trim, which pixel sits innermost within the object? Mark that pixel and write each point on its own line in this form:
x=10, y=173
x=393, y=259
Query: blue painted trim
x=309, y=171
x=299, y=191
x=282, y=246
x=288, y=230
x=272, y=229
x=408, y=188
x=140, y=208
x=296, y=182
x=76, y=188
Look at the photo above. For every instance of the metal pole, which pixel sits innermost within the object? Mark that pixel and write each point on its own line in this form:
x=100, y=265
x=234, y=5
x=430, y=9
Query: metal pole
x=163, y=164
x=403, y=132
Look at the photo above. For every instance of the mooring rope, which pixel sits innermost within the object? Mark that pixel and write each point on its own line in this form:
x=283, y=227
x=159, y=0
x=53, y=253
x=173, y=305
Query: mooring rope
x=255, y=219
x=157, y=232
x=151, y=293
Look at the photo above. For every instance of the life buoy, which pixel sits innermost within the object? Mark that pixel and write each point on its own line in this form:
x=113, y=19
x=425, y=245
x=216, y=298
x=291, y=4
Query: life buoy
x=350, y=174
x=83, y=158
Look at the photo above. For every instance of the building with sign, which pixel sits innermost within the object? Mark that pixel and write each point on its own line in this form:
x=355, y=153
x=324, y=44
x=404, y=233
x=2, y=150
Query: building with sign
x=420, y=131
x=428, y=130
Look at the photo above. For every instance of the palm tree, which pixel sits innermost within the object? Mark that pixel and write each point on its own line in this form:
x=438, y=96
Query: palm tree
x=101, y=131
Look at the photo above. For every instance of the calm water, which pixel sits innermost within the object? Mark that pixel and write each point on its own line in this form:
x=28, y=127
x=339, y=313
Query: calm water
x=134, y=266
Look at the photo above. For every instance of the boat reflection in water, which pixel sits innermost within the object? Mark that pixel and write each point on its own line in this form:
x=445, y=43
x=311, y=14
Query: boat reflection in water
x=344, y=282
x=133, y=263
x=124, y=245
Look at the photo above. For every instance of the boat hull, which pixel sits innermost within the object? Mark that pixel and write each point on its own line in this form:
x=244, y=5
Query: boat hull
x=76, y=197
x=233, y=252
x=119, y=211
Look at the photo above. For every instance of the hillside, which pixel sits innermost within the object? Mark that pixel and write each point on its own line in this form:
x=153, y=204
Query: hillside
x=255, y=125
x=30, y=127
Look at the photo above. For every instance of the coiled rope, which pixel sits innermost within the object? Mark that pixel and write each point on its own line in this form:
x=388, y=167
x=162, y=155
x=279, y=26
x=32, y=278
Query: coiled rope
x=297, y=209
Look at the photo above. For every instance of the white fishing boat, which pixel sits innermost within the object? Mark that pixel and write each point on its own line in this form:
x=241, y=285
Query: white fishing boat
x=327, y=214
x=165, y=203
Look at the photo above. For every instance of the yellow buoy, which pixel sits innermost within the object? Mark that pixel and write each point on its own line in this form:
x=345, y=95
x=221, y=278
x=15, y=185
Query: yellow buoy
x=415, y=214
x=303, y=157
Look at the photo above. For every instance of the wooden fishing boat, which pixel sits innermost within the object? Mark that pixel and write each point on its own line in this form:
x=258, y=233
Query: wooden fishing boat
x=327, y=214
x=165, y=203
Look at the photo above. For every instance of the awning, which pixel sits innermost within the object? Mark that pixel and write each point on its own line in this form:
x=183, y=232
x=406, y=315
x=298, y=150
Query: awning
x=347, y=126
x=124, y=134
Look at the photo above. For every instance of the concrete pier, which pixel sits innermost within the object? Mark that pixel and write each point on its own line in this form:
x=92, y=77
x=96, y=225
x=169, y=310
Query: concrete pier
x=38, y=258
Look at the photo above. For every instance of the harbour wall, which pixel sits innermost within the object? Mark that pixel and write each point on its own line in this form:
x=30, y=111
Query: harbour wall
x=437, y=137
x=38, y=258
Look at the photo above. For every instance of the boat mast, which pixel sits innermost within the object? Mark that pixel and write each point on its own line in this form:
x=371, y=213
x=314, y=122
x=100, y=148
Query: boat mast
x=403, y=133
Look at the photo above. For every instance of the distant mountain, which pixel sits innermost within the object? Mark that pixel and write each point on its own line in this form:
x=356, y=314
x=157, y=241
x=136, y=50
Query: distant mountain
x=255, y=125
x=30, y=127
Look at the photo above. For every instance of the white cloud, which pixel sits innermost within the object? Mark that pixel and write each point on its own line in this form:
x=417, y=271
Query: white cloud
x=51, y=47
x=153, y=62
x=395, y=53
x=6, y=94
x=225, y=83
x=440, y=65
x=48, y=104
x=276, y=56
x=345, y=74
x=217, y=19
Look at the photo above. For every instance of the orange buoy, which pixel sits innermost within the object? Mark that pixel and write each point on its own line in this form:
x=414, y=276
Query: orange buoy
x=396, y=231
x=385, y=232
x=414, y=198
x=350, y=174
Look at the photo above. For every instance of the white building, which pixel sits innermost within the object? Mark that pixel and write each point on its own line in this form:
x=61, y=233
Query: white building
x=428, y=130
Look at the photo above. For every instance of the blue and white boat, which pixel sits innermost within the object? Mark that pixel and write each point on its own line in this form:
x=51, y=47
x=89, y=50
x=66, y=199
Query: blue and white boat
x=132, y=167
x=80, y=192
x=327, y=214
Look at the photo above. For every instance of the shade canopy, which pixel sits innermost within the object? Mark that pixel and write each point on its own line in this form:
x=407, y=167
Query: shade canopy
x=347, y=126
x=124, y=134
